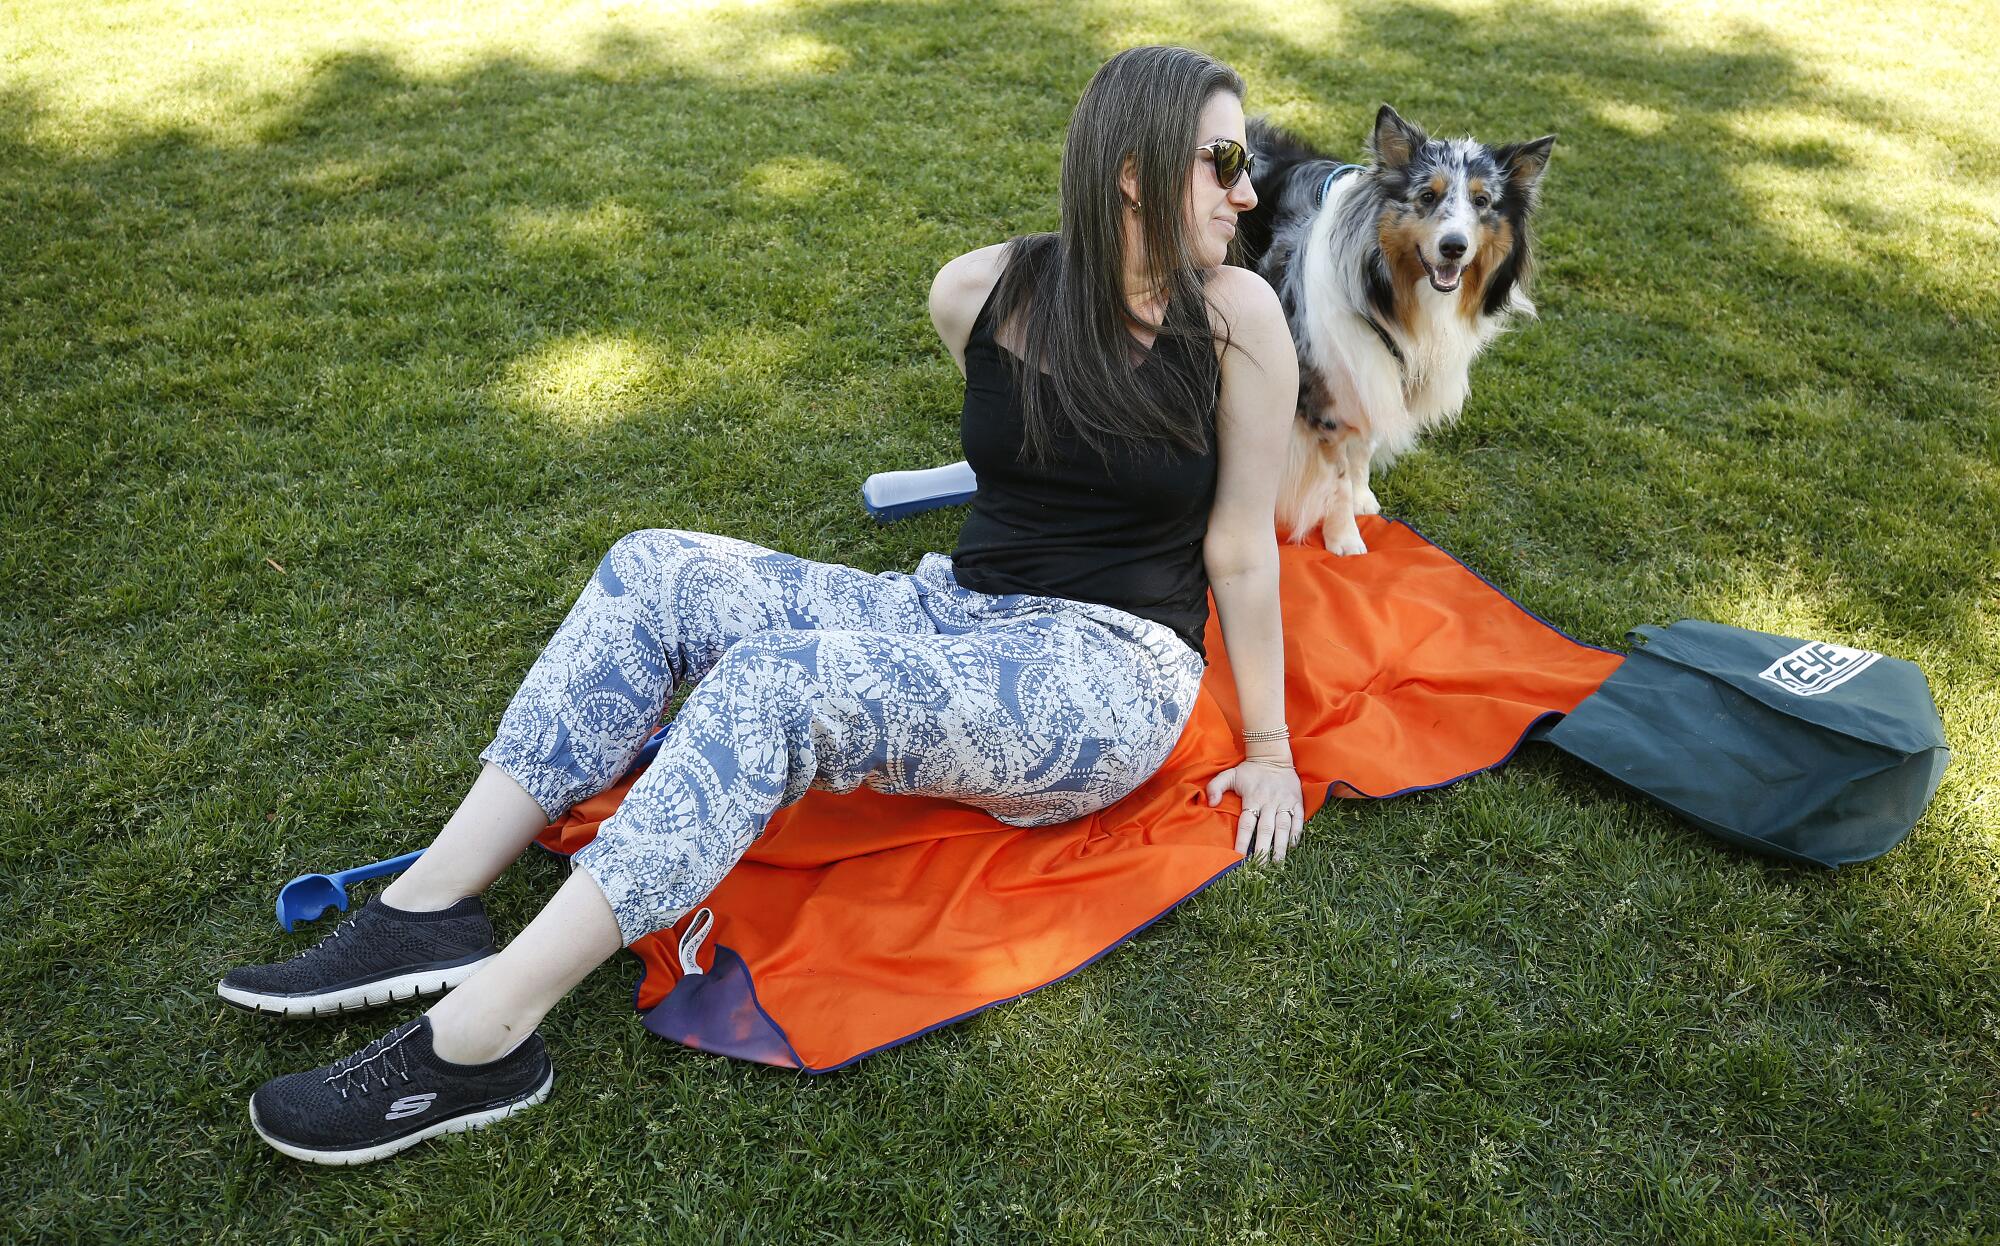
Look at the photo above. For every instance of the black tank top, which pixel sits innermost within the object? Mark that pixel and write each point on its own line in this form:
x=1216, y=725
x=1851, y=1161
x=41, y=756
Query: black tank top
x=1123, y=529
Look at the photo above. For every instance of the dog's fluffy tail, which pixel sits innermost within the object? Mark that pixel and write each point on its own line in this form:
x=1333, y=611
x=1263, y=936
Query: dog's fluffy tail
x=1307, y=490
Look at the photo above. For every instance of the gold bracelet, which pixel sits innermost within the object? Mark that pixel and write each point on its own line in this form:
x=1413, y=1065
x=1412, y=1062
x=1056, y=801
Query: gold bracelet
x=1275, y=733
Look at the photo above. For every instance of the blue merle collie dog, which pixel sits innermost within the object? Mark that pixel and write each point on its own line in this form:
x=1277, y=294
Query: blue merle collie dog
x=1394, y=277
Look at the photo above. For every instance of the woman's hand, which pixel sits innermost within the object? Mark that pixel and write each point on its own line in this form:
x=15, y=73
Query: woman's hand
x=1273, y=807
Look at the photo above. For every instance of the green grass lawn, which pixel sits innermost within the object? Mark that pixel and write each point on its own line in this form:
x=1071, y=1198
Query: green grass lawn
x=338, y=341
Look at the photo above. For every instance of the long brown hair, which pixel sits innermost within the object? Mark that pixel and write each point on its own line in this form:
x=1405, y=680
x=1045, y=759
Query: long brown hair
x=1142, y=104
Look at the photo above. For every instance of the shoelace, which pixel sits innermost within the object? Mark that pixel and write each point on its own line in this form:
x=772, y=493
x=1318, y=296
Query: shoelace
x=373, y=1063
x=323, y=944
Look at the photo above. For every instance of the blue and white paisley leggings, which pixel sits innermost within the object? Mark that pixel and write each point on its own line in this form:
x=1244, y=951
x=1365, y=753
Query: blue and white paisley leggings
x=805, y=674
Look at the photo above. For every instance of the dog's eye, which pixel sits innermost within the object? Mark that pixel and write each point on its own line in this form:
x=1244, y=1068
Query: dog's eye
x=1480, y=201
x=1428, y=198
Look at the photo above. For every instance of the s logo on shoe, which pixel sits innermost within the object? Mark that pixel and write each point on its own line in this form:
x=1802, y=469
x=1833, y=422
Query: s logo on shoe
x=410, y=1105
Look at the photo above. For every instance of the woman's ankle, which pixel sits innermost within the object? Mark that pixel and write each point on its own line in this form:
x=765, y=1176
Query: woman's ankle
x=414, y=896
x=461, y=1036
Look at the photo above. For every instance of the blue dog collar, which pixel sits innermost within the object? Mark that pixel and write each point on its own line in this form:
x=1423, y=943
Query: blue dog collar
x=1320, y=196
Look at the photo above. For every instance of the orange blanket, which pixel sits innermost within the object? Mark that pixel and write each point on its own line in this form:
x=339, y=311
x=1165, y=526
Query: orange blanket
x=861, y=921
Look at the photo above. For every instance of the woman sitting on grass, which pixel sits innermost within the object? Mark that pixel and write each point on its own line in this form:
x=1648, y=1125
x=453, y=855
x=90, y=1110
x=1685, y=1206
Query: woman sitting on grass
x=1126, y=396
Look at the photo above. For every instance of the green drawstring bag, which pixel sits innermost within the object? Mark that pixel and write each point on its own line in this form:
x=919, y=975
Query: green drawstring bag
x=1805, y=750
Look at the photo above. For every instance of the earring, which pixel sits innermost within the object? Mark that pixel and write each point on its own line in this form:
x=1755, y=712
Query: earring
x=1132, y=204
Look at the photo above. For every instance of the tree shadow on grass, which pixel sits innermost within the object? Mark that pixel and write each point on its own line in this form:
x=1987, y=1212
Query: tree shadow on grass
x=1705, y=380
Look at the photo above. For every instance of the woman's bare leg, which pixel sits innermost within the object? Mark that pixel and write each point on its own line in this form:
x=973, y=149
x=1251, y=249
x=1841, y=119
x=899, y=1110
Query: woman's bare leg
x=503, y=1003
x=493, y=826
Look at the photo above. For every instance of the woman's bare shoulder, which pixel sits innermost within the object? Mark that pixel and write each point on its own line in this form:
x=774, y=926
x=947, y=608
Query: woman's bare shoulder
x=1236, y=295
x=962, y=285
x=958, y=292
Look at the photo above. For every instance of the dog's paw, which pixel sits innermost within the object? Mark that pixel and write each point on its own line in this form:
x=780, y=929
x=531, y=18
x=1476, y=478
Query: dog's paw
x=1348, y=542
x=1365, y=503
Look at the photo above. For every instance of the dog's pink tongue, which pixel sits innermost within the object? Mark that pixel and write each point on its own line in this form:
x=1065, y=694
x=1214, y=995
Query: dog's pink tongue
x=1445, y=277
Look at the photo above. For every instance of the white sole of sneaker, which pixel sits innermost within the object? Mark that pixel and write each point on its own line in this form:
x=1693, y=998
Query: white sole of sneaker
x=370, y=995
x=363, y=1155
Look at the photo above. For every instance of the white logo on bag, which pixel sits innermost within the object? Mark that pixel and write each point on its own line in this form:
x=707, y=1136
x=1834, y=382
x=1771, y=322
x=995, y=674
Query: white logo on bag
x=1817, y=667
x=410, y=1105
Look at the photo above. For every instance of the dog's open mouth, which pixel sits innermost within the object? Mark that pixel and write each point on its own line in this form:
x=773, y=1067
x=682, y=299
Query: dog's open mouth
x=1444, y=277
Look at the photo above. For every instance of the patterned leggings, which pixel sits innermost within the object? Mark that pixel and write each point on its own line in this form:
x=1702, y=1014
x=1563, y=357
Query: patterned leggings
x=1035, y=709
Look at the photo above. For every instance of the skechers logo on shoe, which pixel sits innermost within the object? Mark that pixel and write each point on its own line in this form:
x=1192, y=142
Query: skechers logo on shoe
x=1818, y=667
x=410, y=1105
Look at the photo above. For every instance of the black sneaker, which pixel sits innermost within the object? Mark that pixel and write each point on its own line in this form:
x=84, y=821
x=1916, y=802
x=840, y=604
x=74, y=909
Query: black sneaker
x=378, y=955
x=392, y=1094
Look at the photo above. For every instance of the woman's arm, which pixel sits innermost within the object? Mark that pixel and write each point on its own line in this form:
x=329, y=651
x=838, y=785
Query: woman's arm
x=1260, y=383
x=959, y=291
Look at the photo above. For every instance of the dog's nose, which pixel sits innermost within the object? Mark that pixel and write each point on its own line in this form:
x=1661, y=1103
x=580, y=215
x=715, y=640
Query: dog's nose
x=1452, y=247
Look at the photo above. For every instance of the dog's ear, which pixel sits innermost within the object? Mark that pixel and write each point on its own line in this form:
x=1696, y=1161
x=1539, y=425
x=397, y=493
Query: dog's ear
x=1523, y=164
x=1395, y=141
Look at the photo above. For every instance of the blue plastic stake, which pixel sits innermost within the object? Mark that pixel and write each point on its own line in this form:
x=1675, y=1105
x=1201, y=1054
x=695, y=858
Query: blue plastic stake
x=309, y=895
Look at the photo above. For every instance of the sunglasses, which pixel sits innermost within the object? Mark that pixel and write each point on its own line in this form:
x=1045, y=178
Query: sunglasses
x=1230, y=160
